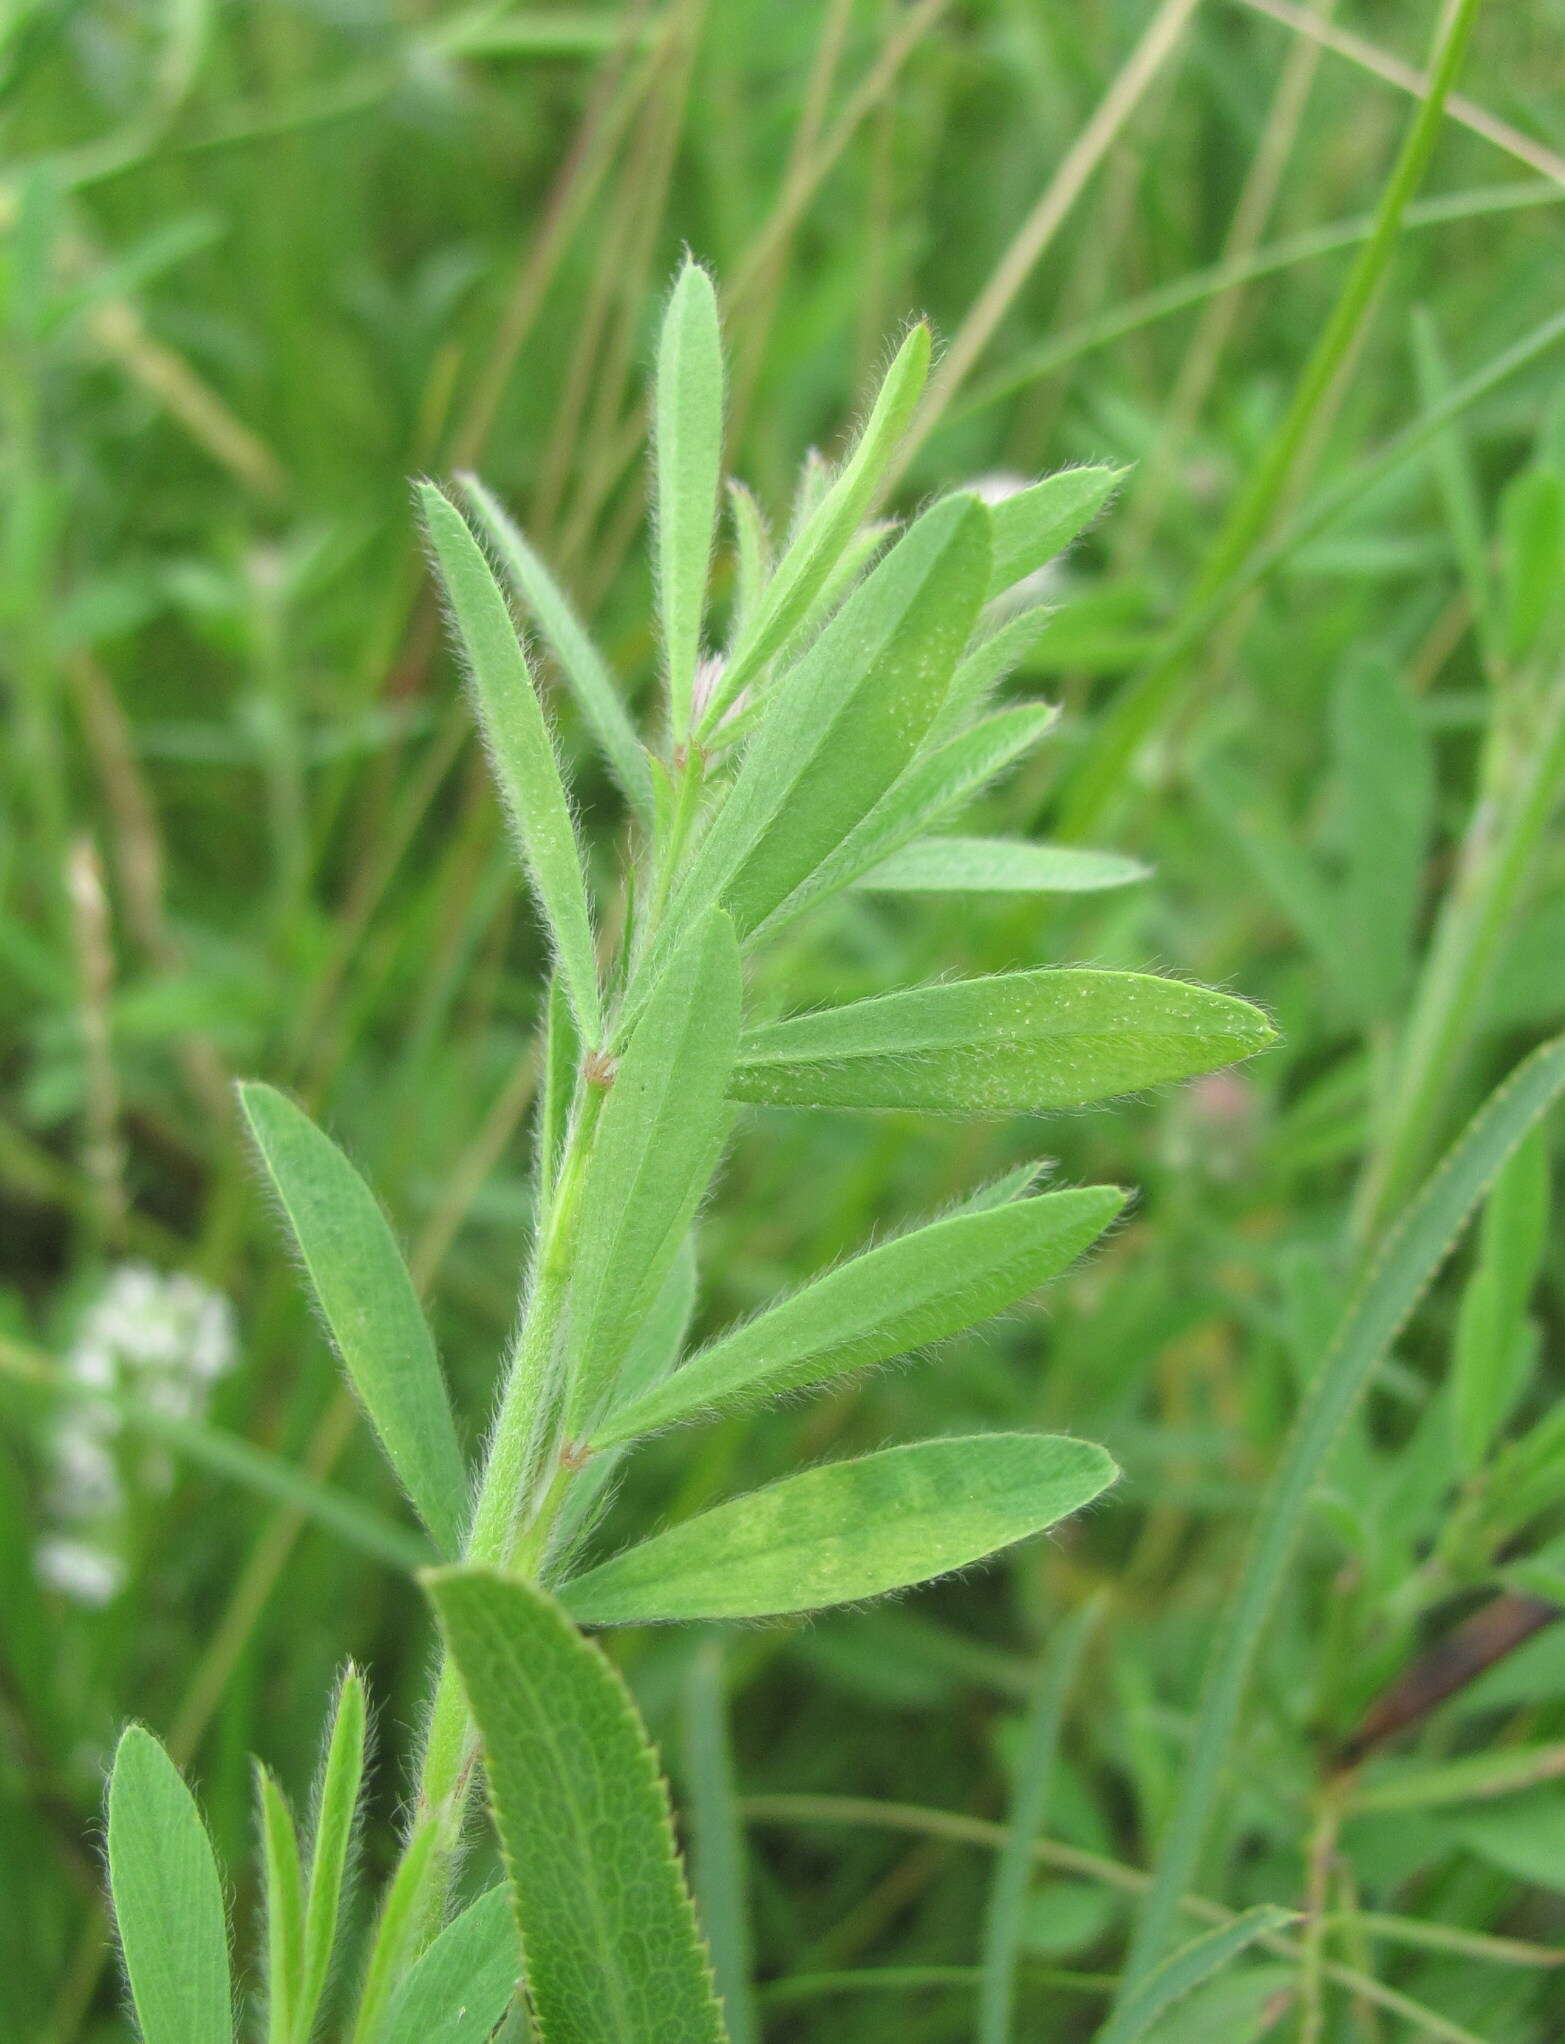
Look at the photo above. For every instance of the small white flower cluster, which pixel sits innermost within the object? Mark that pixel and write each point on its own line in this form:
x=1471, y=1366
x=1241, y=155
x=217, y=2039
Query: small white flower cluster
x=166, y=1340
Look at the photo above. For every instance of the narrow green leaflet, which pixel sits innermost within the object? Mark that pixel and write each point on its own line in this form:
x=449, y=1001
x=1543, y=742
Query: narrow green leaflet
x=369, y=1303
x=609, y=1940
x=986, y=663
x=586, y=672
x=995, y=865
x=520, y=749
x=168, y=1900
x=847, y=1530
x=464, y=1983
x=842, y=724
x=284, y=1908
x=922, y=1287
x=752, y=553
x=336, y=1813
x=1189, y=1968
x=1035, y=525
x=657, y=1143
x=828, y=526
x=941, y=779
x=688, y=446
x=1014, y=1044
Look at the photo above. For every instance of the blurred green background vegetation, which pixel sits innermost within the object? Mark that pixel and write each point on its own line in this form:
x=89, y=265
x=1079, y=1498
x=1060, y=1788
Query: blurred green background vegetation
x=261, y=265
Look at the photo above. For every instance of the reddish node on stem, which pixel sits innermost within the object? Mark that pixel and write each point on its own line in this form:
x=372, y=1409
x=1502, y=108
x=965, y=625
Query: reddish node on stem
x=598, y=1068
x=575, y=1455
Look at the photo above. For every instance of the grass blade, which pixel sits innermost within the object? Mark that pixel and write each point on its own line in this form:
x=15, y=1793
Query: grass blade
x=1014, y=1044
x=168, y=1899
x=1003, y=1920
x=1412, y=1254
x=847, y=1530
x=579, y=1804
x=520, y=750
x=657, y=1143
x=718, y=1856
x=994, y=865
x=586, y=672
x=925, y=1286
x=688, y=439
x=369, y=1304
x=1189, y=1968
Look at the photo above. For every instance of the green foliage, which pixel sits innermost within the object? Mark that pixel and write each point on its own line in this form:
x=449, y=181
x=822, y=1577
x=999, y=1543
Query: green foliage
x=519, y=747
x=1035, y=524
x=847, y=1530
x=1302, y=685
x=688, y=436
x=607, y=1927
x=922, y=1287
x=841, y=726
x=1019, y=1043
x=993, y=865
x=661, y=1127
x=168, y=1899
x=464, y=1983
x=369, y=1304
x=331, y=1846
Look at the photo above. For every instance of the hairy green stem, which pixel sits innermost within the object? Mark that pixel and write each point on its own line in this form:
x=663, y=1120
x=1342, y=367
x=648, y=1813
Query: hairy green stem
x=503, y=1534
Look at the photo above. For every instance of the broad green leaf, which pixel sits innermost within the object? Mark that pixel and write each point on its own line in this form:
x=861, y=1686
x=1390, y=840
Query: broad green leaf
x=847, y=1530
x=922, y=1287
x=168, y=1899
x=995, y=865
x=1014, y=1044
x=1392, y=1286
x=688, y=445
x=1385, y=769
x=520, y=750
x=828, y=525
x=986, y=663
x=585, y=670
x=938, y=781
x=1036, y=524
x=1189, y=1968
x=609, y=1939
x=657, y=1142
x=284, y=1908
x=1496, y=1345
x=464, y=1983
x=336, y=1813
x=842, y=724
x=369, y=1304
